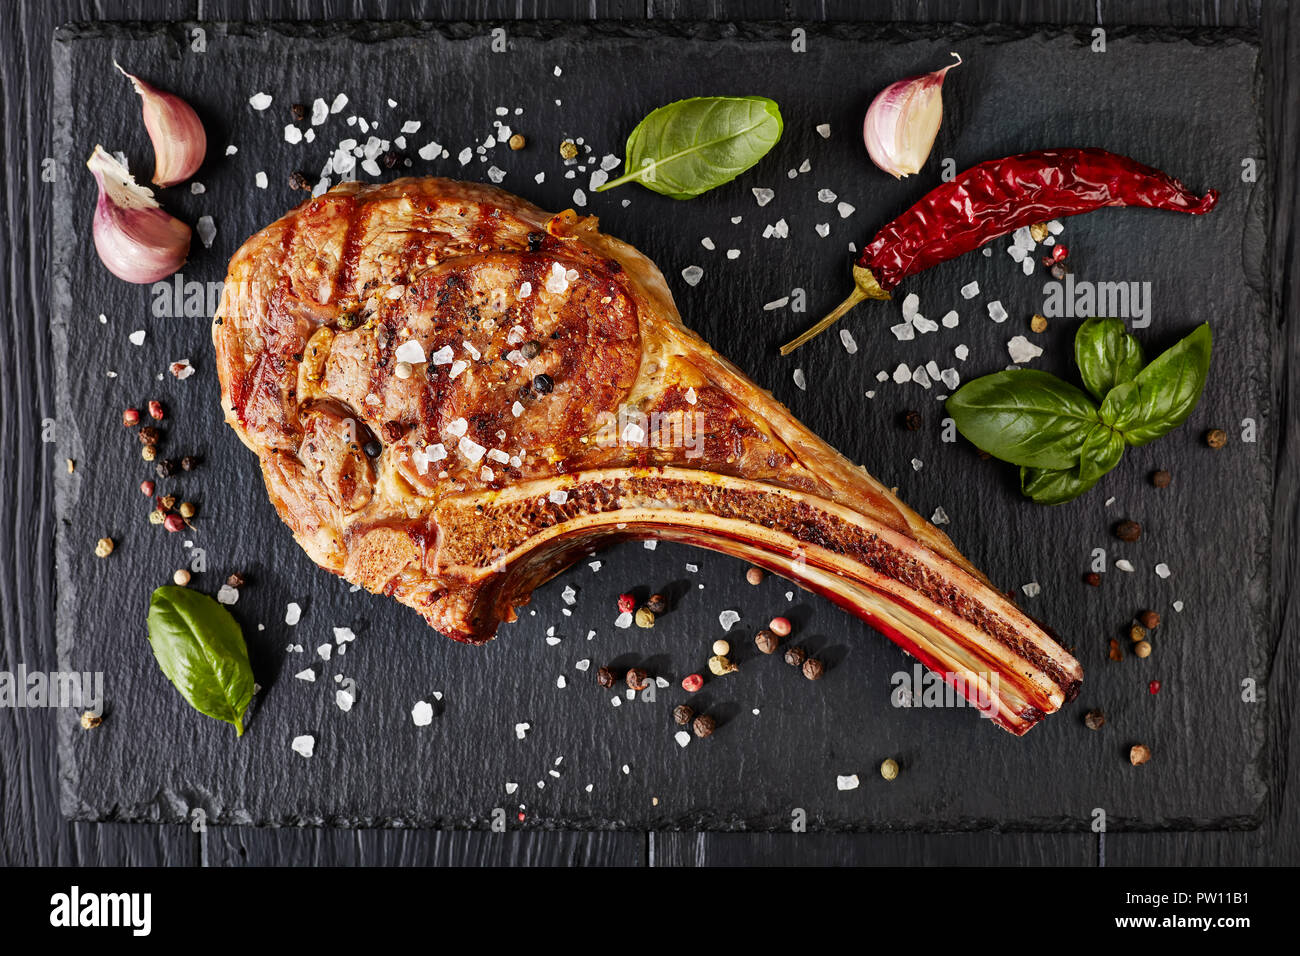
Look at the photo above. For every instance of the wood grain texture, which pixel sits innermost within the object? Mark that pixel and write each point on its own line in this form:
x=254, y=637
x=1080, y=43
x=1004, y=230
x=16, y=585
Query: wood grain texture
x=31, y=830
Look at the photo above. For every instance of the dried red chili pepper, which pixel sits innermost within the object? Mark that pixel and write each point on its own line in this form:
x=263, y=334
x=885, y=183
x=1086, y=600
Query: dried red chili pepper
x=995, y=199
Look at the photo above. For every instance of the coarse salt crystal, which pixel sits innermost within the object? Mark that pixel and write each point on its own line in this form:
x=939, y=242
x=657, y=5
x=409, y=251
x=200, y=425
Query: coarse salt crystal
x=340, y=101
x=911, y=302
x=325, y=651
x=1124, y=565
x=823, y=229
x=961, y=352
x=410, y=351
x=260, y=180
x=292, y=613
x=516, y=409
x=847, y=782
x=207, y=231
x=950, y=320
x=939, y=517
x=457, y=427
x=1022, y=350
x=904, y=331
x=997, y=312
x=623, y=620
x=800, y=380
x=692, y=275
x=227, y=594
x=970, y=290
x=422, y=713
x=633, y=433
x=304, y=744
x=845, y=210
x=344, y=700
x=728, y=619
x=1162, y=570
x=292, y=134
x=762, y=196
x=825, y=195
x=558, y=496
x=521, y=729
x=682, y=738
x=441, y=357
x=457, y=367
x=471, y=449
x=847, y=340
x=924, y=325
x=902, y=373
x=259, y=101
x=308, y=675
x=1032, y=589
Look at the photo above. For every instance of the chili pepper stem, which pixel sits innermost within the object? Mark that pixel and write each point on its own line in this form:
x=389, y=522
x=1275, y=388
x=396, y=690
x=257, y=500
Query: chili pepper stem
x=865, y=287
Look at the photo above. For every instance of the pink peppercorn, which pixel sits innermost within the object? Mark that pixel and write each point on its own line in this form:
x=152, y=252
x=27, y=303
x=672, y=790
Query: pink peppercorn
x=692, y=682
x=130, y=417
x=146, y=488
x=174, y=522
x=779, y=626
x=156, y=411
x=626, y=604
x=1154, y=687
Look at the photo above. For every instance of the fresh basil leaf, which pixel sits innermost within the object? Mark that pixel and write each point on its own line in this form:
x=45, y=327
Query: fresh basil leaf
x=690, y=146
x=1053, y=486
x=1101, y=452
x=1163, y=394
x=1107, y=355
x=1024, y=416
x=201, y=649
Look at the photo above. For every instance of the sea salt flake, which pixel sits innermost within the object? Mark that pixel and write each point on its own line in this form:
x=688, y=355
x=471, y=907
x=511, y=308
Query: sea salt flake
x=558, y=496
x=970, y=290
x=733, y=253
x=823, y=229
x=292, y=134
x=728, y=619
x=464, y=156
x=633, y=433
x=344, y=635
x=496, y=174
x=292, y=613
x=911, y=303
x=304, y=744
x=902, y=373
x=1162, y=570
x=325, y=651
x=623, y=620
x=308, y=675
x=521, y=730
x=939, y=517
x=411, y=351
x=471, y=449
x=825, y=195
x=961, y=352
x=1124, y=565
x=692, y=275
x=1022, y=350
x=800, y=380
x=904, y=331
x=457, y=367
x=422, y=713
x=650, y=545
x=227, y=594
x=1178, y=606
x=845, y=210
x=950, y=320
x=847, y=340
x=1032, y=589
x=259, y=101
x=762, y=195
x=780, y=303
x=441, y=357
x=849, y=782
x=340, y=101
x=921, y=377
x=997, y=312
x=924, y=325
x=344, y=700
x=950, y=378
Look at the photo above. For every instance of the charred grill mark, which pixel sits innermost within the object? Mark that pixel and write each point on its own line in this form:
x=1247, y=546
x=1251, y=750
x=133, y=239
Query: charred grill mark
x=358, y=217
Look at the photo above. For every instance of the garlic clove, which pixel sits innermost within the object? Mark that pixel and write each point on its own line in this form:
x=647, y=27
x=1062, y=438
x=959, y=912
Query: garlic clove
x=135, y=237
x=179, y=141
x=903, y=120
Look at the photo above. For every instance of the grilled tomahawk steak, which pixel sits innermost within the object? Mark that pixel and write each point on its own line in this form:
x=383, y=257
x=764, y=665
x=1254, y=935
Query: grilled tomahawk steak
x=453, y=395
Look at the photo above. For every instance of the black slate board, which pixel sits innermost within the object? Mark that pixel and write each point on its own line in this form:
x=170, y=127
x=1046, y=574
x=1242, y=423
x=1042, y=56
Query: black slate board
x=153, y=759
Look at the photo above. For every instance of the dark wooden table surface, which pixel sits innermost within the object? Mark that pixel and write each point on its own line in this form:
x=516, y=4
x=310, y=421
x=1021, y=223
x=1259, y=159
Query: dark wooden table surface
x=33, y=832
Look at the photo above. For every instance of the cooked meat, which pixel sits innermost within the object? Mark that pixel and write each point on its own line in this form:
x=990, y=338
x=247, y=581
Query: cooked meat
x=454, y=395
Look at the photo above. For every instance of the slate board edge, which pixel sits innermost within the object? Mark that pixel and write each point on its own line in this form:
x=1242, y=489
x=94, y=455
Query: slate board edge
x=161, y=809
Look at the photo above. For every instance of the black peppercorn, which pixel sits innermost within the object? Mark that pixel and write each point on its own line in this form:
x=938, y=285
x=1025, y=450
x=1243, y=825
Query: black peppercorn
x=637, y=678
x=683, y=714
x=658, y=604
x=1094, y=720
x=1093, y=578
x=530, y=349
x=525, y=392
x=372, y=448
x=766, y=641
x=148, y=435
x=393, y=158
x=1060, y=270
x=1216, y=438
x=165, y=468
x=795, y=656
x=298, y=112
x=605, y=677
x=912, y=421
x=1128, y=531
x=543, y=384
x=704, y=725
x=1149, y=619
x=813, y=669
x=535, y=240
x=1161, y=479
x=188, y=463
x=299, y=181
x=236, y=580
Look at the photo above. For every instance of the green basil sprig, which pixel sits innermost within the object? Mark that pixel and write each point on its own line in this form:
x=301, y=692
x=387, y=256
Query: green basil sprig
x=691, y=146
x=201, y=649
x=1063, y=442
